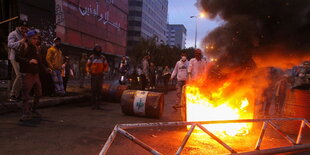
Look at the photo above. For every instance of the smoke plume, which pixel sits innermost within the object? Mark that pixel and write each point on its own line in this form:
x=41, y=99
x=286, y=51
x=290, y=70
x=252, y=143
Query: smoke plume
x=259, y=32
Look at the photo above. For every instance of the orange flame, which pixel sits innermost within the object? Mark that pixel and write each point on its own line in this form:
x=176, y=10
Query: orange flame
x=227, y=92
x=201, y=107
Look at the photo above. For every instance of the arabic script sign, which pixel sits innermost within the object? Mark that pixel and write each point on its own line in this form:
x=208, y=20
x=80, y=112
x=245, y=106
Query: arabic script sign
x=101, y=16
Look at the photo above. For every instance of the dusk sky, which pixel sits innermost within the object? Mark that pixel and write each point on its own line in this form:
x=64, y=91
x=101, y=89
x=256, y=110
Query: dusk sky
x=180, y=12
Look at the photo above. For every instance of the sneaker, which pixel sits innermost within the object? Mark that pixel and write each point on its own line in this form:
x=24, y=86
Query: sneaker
x=25, y=117
x=36, y=114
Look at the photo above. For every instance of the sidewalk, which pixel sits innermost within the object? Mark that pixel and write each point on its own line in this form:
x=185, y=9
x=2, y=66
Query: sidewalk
x=75, y=95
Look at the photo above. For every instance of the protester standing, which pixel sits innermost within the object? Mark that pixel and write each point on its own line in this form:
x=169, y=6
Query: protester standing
x=270, y=92
x=66, y=72
x=166, y=76
x=180, y=71
x=280, y=87
x=196, y=65
x=123, y=69
x=30, y=64
x=54, y=60
x=145, y=72
x=152, y=76
x=82, y=66
x=15, y=41
x=96, y=66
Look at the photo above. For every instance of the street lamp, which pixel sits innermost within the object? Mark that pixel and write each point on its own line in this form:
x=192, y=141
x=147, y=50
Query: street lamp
x=201, y=15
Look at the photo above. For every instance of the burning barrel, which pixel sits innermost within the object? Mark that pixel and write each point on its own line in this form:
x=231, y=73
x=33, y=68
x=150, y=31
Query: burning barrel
x=113, y=92
x=142, y=103
x=297, y=105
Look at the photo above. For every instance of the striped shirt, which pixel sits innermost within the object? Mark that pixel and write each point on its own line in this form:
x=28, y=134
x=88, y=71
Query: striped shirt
x=97, y=65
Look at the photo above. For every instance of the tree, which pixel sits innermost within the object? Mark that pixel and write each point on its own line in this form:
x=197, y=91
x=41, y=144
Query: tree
x=161, y=54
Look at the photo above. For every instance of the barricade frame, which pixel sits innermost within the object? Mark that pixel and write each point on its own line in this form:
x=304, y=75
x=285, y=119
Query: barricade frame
x=295, y=144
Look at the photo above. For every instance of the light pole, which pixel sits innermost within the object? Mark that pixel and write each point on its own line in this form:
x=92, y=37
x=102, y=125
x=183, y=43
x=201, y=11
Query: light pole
x=196, y=22
x=195, y=30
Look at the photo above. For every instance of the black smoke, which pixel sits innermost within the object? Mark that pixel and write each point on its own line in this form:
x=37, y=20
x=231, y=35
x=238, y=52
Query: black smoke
x=255, y=27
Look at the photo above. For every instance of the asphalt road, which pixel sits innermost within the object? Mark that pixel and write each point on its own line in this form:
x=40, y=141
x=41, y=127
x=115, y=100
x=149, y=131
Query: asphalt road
x=69, y=129
x=75, y=129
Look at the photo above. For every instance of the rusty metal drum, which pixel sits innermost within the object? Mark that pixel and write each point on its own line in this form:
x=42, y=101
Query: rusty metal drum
x=297, y=105
x=142, y=103
x=113, y=92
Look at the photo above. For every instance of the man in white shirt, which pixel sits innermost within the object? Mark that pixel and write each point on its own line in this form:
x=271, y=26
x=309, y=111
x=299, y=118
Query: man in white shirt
x=196, y=65
x=16, y=40
x=180, y=71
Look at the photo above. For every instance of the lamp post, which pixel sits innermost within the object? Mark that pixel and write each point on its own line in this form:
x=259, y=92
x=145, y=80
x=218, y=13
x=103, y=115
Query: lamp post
x=195, y=29
x=196, y=22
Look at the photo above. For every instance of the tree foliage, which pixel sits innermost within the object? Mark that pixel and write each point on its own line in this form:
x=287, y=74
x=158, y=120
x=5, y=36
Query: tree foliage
x=161, y=54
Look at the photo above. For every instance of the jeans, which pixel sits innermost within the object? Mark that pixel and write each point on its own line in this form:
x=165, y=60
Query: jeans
x=30, y=81
x=58, y=83
x=180, y=85
x=96, y=86
x=16, y=88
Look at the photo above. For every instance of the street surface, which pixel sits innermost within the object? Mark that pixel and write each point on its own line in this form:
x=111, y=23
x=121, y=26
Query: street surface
x=75, y=129
x=69, y=129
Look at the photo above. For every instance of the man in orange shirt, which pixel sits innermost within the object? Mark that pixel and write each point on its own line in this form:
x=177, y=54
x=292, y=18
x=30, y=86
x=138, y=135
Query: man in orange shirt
x=96, y=66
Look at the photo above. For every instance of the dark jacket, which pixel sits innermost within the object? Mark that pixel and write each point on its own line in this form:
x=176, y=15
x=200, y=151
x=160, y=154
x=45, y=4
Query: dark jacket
x=124, y=66
x=25, y=55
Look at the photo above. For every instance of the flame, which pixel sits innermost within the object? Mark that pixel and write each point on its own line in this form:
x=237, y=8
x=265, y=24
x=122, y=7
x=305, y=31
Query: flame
x=228, y=91
x=280, y=57
x=213, y=106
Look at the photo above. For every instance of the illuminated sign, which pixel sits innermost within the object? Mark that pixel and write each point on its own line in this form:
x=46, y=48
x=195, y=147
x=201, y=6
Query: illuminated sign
x=101, y=16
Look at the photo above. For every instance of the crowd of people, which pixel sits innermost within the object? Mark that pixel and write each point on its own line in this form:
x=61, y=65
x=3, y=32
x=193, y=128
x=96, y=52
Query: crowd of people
x=38, y=73
x=275, y=94
x=41, y=72
x=183, y=71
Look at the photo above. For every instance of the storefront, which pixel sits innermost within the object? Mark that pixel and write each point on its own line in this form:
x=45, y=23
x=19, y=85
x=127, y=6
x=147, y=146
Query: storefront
x=79, y=23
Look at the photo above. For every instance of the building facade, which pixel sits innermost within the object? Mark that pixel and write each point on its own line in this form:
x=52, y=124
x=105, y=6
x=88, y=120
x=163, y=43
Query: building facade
x=84, y=23
x=176, y=35
x=147, y=19
x=79, y=23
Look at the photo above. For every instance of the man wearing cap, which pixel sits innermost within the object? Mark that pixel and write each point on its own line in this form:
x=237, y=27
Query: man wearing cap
x=30, y=61
x=196, y=65
x=96, y=66
x=15, y=40
x=54, y=60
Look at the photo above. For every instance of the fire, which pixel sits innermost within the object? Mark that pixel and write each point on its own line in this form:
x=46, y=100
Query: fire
x=202, y=106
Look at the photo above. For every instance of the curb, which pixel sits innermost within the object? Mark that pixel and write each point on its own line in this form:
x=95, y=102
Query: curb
x=8, y=107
